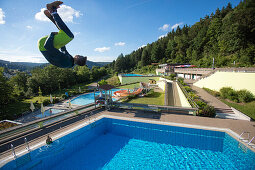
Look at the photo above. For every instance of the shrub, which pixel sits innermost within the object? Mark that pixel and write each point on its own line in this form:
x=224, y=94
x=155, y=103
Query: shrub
x=187, y=88
x=102, y=82
x=150, y=93
x=181, y=80
x=207, y=111
x=56, y=100
x=132, y=97
x=200, y=103
x=193, y=95
x=245, y=96
x=232, y=95
x=212, y=92
x=172, y=76
x=64, y=96
x=224, y=92
x=46, y=102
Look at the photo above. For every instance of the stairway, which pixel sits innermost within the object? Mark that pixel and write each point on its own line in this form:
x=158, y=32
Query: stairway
x=224, y=110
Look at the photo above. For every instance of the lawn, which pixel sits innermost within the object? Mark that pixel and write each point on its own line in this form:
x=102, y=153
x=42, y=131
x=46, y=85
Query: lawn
x=156, y=98
x=130, y=86
x=246, y=108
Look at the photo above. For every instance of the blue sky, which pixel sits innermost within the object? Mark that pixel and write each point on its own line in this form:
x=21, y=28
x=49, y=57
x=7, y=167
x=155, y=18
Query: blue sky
x=103, y=29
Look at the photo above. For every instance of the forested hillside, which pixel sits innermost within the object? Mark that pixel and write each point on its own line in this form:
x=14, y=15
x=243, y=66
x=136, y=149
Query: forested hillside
x=227, y=35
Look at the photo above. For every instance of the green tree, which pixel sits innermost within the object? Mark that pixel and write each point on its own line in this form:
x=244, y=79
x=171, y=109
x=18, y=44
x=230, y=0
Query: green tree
x=5, y=90
x=145, y=60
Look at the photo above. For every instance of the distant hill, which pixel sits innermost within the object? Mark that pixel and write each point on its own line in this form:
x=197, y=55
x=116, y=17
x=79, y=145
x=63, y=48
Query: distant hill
x=22, y=66
x=27, y=66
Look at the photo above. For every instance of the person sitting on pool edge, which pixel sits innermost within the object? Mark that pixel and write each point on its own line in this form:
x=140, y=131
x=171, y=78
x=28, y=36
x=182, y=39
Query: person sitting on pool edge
x=49, y=45
x=48, y=140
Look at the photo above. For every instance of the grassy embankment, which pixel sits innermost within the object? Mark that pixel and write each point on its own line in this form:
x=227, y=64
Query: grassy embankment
x=246, y=108
x=155, y=98
x=15, y=110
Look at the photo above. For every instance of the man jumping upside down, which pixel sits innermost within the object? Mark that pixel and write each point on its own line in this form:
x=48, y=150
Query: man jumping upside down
x=50, y=45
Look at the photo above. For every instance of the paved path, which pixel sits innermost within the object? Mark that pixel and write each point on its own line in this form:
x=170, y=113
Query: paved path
x=222, y=110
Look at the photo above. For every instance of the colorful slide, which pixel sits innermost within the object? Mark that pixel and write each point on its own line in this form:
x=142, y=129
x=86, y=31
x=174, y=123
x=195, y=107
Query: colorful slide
x=123, y=93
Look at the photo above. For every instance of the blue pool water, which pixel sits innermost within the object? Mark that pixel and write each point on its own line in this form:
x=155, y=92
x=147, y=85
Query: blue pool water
x=130, y=75
x=88, y=98
x=47, y=113
x=120, y=144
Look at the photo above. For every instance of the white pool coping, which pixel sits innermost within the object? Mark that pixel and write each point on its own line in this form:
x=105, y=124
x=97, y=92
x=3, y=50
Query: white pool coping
x=4, y=161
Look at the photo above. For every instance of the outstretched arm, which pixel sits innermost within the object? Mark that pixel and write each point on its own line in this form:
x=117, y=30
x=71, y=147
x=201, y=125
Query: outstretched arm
x=63, y=49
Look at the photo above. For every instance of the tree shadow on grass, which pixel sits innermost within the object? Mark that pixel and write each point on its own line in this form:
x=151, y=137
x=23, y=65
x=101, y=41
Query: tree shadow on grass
x=154, y=95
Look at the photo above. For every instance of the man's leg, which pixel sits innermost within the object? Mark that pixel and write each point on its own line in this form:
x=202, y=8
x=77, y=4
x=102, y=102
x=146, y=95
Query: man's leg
x=61, y=25
x=47, y=13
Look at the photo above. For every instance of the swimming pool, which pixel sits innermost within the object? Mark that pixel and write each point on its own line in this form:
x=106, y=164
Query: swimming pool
x=88, y=98
x=121, y=144
x=132, y=75
x=47, y=113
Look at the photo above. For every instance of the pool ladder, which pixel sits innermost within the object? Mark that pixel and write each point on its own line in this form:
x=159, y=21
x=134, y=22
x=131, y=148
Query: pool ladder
x=13, y=148
x=249, y=142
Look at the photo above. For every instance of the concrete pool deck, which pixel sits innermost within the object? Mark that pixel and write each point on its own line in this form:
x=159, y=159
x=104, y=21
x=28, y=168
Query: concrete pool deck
x=237, y=126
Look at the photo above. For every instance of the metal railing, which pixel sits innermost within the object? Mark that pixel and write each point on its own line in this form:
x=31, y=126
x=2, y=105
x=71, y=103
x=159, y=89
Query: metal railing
x=156, y=108
x=7, y=134
x=190, y=100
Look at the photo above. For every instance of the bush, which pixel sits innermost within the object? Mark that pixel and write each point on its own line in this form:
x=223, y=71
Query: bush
x=212, y=92
x=200, y=103
x=245, y=96
x=64, y=96
x=232, y=95
x=181, y=80
x=102, y=82
x=56, y=100
x=132, y=97
x=150, y=93
x=207, y=111
x=193, y=95
x=187, y=88
x=46, y=102
x=224, y=92
x=172, y=76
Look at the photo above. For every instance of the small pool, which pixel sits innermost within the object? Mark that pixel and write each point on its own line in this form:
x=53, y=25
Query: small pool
x=120, y=144
x=88, y=98
x=132, y=75
x=48, y=113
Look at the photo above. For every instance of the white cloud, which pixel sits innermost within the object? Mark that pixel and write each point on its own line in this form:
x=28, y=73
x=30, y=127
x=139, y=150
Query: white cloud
x=101, y=58
x=164, y=27
x=120, y=44
x=162, y=36
x=29, y=27
x=76, y=33
x=176, y=25
x=103, y=49
x=142, y=46
x=67, y=13
x=19, y=54
x=2, y=21
x=24, y=58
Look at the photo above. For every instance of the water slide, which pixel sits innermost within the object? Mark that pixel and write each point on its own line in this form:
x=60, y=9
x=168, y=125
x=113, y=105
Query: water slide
x=123, y=93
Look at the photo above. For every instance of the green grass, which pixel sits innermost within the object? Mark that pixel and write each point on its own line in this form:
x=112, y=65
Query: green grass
x=130, y=86
x=246, y=108
x=155, y=98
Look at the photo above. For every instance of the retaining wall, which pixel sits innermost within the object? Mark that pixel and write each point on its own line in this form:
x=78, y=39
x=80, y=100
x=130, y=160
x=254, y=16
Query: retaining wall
x=236, y=80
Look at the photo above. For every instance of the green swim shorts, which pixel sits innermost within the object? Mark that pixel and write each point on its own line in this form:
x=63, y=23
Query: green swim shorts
x=60, y=40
